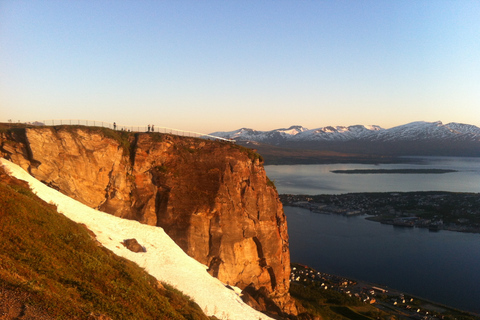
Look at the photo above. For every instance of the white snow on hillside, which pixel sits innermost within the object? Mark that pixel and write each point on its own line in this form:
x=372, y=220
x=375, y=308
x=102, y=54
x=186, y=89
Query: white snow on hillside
x=292, y=131
x=163, y=259
x=250, y=134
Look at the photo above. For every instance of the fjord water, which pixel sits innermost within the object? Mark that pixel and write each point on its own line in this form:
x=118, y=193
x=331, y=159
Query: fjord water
x=318, y=179
x=441, y=266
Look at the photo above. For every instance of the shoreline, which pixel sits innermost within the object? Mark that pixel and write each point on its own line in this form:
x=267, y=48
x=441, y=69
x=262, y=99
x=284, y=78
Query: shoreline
x=384, y=297
x=434, y=210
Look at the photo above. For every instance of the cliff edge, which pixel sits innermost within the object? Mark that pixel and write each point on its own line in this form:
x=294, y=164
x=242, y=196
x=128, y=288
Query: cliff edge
x=212, y=198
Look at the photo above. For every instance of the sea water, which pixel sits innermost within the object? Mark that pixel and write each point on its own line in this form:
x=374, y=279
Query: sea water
x=319, y=179
x=441, y=266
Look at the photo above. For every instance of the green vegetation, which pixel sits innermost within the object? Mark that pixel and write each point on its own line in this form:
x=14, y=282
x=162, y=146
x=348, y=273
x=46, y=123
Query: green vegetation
x=271, y=183
x=349, y=313
x=330, y=304
x=318, y=295
x=61, y=271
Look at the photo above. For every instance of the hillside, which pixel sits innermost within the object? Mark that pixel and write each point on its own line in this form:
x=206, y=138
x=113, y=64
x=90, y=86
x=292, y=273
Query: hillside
x=53, y=268
x=212, y=198
x=157, y=254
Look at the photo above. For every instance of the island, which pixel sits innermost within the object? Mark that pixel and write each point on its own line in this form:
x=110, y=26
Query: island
x=394, y=171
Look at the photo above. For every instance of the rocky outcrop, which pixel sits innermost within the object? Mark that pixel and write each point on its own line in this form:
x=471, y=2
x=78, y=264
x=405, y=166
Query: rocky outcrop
x=133, y=245
x=212, y=198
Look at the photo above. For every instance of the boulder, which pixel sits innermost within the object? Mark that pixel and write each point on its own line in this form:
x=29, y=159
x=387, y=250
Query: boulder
x=133, y=245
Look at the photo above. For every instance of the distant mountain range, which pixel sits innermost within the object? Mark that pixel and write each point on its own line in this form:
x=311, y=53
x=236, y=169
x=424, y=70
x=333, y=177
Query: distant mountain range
x=413, y=139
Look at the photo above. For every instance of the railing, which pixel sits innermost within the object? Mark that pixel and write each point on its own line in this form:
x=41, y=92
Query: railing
x=114, y=126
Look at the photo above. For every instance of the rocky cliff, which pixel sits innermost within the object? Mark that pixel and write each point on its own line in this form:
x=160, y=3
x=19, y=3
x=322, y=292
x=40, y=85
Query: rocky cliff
x=212, y=198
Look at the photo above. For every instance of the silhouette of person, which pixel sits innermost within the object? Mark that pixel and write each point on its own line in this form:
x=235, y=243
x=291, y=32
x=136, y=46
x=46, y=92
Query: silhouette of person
x=152, y=128
x=148, y=128
x=114, y=126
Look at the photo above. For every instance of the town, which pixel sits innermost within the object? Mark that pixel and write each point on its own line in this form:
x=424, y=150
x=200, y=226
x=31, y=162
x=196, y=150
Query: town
x=346, y=297
x=433, y=210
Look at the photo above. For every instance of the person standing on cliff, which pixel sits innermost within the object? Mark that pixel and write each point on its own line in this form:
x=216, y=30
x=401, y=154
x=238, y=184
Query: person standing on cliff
x=152, y=128
x=114, y=126
x=148, y=128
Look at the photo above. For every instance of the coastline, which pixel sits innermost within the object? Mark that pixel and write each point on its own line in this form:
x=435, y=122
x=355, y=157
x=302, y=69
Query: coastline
x=450, y=211
x=356, y=249
x=395, y=302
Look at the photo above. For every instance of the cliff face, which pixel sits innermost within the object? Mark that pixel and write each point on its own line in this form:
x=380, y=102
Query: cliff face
x=212, y=198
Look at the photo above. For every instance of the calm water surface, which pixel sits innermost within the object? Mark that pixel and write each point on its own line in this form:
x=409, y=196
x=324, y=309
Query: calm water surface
x=318, y=179
x=441, y=266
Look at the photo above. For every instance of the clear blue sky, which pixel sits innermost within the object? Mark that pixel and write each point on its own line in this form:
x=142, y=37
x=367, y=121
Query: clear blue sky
x=221, y=65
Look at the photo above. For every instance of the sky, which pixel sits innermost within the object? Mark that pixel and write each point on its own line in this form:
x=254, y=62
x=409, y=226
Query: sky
x=209, y=66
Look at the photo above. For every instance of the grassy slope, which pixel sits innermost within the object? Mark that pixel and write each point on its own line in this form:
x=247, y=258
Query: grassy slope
x=54, y=266
x=332, y=305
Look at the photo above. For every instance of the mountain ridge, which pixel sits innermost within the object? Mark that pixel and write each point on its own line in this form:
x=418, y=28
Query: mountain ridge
x=417, y=138
x=297, y=132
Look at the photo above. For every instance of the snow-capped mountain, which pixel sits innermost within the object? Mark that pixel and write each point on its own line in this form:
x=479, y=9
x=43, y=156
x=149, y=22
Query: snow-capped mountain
x=414, y=138
x=272, y=137
x=419, y=130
